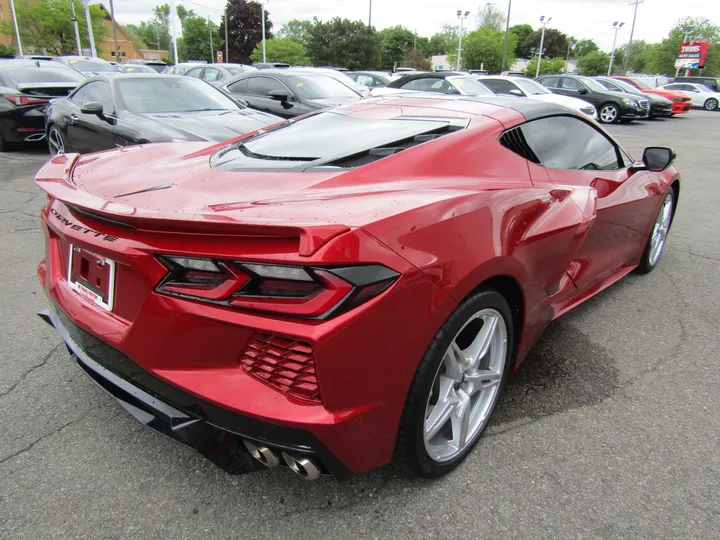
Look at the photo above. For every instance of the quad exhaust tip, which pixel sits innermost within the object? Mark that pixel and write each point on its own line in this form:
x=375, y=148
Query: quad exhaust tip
x=263, y=454
x=304, y=466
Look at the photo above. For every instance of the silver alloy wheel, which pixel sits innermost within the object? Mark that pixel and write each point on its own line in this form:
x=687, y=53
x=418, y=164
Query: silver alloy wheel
x=711, y=104
x=661, y=229
x=608, y=114
x=56, y=142
x=466, y=386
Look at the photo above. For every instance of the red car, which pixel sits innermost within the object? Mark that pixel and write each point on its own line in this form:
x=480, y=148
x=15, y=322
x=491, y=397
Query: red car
x=681, y=101
x=346, y=289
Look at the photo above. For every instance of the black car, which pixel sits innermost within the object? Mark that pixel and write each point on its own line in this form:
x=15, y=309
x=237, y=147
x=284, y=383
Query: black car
x=288, y=93
x=218, y=73
x=711, y=82
x=25, y=90
x=659, y=106
x=612, y=107
x=111, y=111
x=450, y=82
x=371, y=79
x=88, y=65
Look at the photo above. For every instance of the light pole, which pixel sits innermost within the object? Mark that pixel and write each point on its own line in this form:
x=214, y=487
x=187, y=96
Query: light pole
x=632, y=31
x=262, y=7
x=462, y=16
x=507, y=34
x=114, y=25
x=90, y=30
x=543, y=23
x=571, y=44
x=77, y=31
x=173, y=14
x=212, y=49
x=617, y=26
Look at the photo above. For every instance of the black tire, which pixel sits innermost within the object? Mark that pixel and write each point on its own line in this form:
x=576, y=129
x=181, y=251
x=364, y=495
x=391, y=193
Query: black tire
x=646, y=265
x=608, y=108
x=711, y=104
x=410, y=452
x=4, y=145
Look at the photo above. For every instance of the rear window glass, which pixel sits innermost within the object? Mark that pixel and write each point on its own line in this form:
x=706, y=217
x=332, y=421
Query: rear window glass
x=89, y=65
x=30, y=75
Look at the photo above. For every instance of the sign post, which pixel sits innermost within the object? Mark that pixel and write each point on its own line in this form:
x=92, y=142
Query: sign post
x=692, y=55
x=219, y=57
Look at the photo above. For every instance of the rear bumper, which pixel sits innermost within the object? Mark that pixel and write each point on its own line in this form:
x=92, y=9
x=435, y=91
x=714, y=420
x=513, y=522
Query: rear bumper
x=23, y=125
x=214, y=432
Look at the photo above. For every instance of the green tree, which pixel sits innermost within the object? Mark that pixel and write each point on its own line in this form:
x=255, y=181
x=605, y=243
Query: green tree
x=296, y=30
x=662, y=58
x=422, y=44
x=554, y=46
x=594, y=63
x=132, y=31
x=484, y=47
x=196, y=33
x=282, y=50
x=396, y=42
x=548, y=66
x=342, y=42
x=244, y=29
x=521, y=33
x=444, y=42
x=582, y=47
x=46, y=25
x=491, y=17
x=6, y=51
x=415, y=59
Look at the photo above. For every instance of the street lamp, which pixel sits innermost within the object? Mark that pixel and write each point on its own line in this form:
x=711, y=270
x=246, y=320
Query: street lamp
x=462, y=16
x=262, y=14
x=543, y=23
x=617, y=26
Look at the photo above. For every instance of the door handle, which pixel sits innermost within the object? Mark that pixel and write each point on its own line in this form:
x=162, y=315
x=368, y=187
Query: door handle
x=73, y=118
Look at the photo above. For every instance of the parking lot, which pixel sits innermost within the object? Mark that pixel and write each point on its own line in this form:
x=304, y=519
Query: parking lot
x=609, y=429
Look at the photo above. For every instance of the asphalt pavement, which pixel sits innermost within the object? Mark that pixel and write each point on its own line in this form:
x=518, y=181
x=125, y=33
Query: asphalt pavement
x=611, y=428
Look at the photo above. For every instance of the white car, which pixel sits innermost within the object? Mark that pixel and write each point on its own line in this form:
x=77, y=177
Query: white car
x=360, y=89
x=701, y=95
x=516, y=86
x=464, y=85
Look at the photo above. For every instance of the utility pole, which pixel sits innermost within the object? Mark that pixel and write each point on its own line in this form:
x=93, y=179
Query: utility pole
x=567, y=58
x=462, y=16
x=632, y=31
x=370, y=15
x=227, y=48
x=77, y=31
x=262, y=7
x=507, y=34
x=172, y=31
x=212, y=49
x=543, y=23
x=90, y=30
x=114, y=25
x=617, y=26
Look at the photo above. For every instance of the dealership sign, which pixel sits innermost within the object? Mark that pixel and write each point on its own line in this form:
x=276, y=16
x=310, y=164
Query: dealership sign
x=692, y=55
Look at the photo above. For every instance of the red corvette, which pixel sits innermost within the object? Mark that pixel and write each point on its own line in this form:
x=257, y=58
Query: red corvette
x=346, y=289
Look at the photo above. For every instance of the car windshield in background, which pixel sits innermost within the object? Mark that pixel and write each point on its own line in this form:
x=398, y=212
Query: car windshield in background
x=235, y=71
x=326, y=135
x=469, y=86
x=132, y=68
x=30, y=75
x=629, y=88
x=642, y=84
x=319, y=87
x=592, y=84
x=166, y=95
x=531, y=87
x=704, y=88
x=89, y=65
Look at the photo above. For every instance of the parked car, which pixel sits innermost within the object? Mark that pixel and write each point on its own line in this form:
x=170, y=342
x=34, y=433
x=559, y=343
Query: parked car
x=360, y=89
x=681, y=101
x=350, y=288
x=516, y=86
x=218, y=74
x=611, y=106
x=122, y=110
x=138, y=68
x=181, y=68
x=442, y=83
x=288, y=92
x=156, y=65
x=371, y=79
x=87, y=65
x=659, y=106
x=25, y=90
x=477, y=71
x=397, y=74
x=700, y=95
x=711, y=82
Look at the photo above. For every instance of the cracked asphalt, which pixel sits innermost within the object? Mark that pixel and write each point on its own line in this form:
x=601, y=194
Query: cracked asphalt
x=610, y=429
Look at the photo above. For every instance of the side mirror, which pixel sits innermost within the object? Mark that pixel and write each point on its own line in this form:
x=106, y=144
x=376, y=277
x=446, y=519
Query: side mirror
x=582, y=91
x=516, y=92
x=93, y=107
x=658, y=158
x=278, y=95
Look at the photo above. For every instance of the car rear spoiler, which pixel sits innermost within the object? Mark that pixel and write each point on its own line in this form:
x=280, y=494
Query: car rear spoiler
x=55, y=178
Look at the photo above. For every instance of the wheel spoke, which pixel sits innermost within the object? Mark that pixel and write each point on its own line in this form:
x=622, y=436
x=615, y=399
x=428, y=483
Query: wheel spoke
x=481, y=344
x=461, y=420
x=483, y=378
x=455, y=361
x=443, y=409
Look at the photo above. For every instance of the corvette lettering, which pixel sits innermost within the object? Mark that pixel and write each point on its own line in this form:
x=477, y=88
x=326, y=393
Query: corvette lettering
x=74, y=226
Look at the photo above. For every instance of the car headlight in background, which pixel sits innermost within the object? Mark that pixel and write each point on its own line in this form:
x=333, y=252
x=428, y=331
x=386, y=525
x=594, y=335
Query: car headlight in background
x=631, y=103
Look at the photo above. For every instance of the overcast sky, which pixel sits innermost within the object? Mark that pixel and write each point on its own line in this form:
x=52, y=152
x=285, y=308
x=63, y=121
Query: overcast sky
x=584, y=19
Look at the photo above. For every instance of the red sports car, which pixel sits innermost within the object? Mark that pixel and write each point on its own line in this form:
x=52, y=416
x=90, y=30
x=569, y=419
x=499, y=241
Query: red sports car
x=681, y=101
x=348, y=288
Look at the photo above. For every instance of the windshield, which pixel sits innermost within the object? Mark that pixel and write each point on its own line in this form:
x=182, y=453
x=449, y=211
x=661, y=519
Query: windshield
x=319, y=87
x=469, y=86
x=531, y=88
x=161, y=95
x=29, y=75
x=642, y=84
x=139, y=69
x=629, y=88
x=592, y=84
x=704, y=88
x=91, y=65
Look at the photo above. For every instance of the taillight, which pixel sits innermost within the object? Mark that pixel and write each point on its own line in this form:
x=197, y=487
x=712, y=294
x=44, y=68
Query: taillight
x=24, y=100
x=297, y=291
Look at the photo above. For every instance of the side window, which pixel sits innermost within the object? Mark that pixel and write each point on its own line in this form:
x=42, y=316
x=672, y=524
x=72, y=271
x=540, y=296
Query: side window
x=194, y=72
x=262, y=86
x=77, y=96
x=571, y=84
x=500, y=86
x=365, y=80
x=239, y=87
x=100, y=92
x=550, y=82
x=212, y=74
x=566, y=142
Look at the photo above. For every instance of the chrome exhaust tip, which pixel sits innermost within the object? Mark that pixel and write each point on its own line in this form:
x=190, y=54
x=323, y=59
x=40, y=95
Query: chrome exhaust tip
x=304, y=466
x=263, y=454
x=35, y=137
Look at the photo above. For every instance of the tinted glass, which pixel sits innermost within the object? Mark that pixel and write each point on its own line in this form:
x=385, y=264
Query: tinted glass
x=138, y=69
x=564, y=142
x=78, y=95
x=571, y=84
x=91, y=65
x=161, y=95
x=262, y=86
x=641, y=84
x=591, y=84
x=212, y=74
x=428, y=84
x=194, y=72
x=319, y=87
x=609, y=85
x=29, y=75
x=239, y=87
x=626, y=87
x=530, y=87
x=551, y=82
x=99, y=92
x=235, y=71
x=499, y=86
x=469, y=86
x=365, y=80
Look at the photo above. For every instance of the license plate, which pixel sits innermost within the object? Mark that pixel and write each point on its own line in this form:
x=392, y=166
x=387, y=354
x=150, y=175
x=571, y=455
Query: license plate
x=92, y=276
